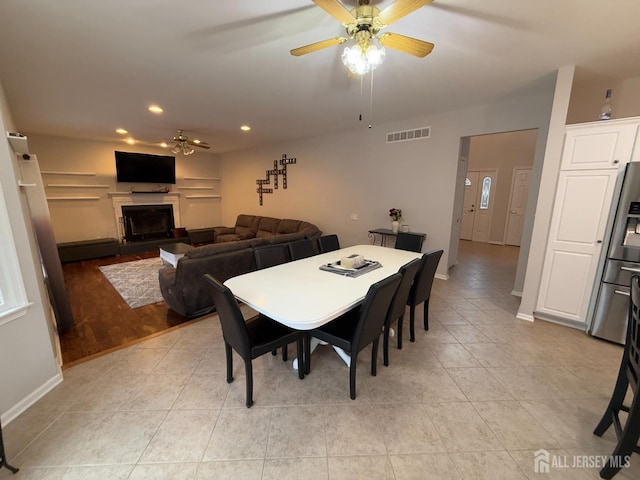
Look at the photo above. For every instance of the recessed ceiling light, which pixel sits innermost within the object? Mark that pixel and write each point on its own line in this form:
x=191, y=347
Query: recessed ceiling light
x=164, y=145
x=121, y=131
x=245, y=128
x=130, y=141
x=155, y=109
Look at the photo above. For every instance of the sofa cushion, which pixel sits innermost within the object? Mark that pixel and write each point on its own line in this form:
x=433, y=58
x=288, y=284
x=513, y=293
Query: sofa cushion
x=216, y=248
x=309, y=230
x=267, y=227
x=287, y=225
x=246, y=226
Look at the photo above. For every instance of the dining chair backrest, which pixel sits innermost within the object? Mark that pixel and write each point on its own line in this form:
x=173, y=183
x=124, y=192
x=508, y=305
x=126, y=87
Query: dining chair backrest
x=421, y=289
x=633, y=333
x=374, y=310
x=234, y=330
x=411, y=242
x=409, y=272
x=302, y=249
x=271, y=255
x=328, y=243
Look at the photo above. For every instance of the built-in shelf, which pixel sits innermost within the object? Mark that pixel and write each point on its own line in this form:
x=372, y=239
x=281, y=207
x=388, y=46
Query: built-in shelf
x=129, y=194
x=74, y=185
x=203, y=196
x=202, y=178
x=194, y=188
x=50, y=199
x=86, y=174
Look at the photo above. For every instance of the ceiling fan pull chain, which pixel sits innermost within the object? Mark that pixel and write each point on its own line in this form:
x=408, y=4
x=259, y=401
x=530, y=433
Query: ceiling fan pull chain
x=360, y=116
x=371, y=102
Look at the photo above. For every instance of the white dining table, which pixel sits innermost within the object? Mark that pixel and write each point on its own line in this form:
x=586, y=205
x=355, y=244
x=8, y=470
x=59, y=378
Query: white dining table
x=301, y=296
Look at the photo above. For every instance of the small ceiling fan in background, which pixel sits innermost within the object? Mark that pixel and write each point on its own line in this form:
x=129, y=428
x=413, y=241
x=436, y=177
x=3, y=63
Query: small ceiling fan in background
x=183, y=144
x=363, y=24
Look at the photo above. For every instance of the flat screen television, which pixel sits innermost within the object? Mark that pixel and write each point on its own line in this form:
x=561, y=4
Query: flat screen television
x=145, y=168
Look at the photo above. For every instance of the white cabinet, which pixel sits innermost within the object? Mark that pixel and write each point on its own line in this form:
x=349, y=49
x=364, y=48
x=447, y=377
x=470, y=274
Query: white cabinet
x=583, y=200
x=592, y=156
x=599, y=145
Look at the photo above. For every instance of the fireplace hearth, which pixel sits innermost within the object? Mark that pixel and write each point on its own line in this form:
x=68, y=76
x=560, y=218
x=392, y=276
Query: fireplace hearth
x=147, y=222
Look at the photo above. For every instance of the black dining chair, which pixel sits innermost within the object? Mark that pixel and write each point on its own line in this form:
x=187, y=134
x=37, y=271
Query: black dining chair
x=359, y=327
x=271, y=255
x=421, y=289
x=628, y=377
x=328, y=243
x=398, y=305
x=411, y=242
x=250, y=339
x=302, y=249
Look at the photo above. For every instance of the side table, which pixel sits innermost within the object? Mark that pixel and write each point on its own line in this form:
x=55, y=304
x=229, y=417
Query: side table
x=3, y=457
x=173, y=252
x=387, y=232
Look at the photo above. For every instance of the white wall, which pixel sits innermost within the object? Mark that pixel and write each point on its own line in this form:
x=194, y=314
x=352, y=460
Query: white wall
x=60, y=154
x=29, y=367
x=357, y=172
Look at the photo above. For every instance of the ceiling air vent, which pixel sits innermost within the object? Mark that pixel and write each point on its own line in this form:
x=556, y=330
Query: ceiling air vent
x=406, y=135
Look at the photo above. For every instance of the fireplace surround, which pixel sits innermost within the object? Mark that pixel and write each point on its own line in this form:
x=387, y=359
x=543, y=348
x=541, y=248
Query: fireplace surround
x=147, y=222
x=144, y=200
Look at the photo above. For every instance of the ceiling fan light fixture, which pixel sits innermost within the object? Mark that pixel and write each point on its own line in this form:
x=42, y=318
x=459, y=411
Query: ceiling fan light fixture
x=361, y=60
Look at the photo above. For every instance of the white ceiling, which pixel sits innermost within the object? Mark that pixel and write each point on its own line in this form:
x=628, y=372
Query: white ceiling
x=81, y=68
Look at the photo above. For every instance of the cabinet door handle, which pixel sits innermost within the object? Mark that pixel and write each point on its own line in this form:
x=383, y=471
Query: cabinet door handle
x=616, y=161
x=622, y=292
x=630, y=269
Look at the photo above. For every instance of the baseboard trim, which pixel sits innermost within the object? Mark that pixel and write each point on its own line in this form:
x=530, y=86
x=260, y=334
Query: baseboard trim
x=525, y=317
x=31, y=399
x=495, y=243
x=442, y=277
x=516, y=293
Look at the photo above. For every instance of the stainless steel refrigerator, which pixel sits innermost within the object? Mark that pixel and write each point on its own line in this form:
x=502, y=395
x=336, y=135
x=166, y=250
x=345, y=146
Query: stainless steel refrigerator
x=622, y=262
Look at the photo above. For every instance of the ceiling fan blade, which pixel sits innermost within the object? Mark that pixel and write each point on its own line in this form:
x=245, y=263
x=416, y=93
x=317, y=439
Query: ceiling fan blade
x=399, y=9
x=409, y=45
x=199, y=144
x=317, y=46
x=336, y=10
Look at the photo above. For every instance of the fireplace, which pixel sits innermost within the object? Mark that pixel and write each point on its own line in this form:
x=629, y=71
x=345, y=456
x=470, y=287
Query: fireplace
x=146, y=222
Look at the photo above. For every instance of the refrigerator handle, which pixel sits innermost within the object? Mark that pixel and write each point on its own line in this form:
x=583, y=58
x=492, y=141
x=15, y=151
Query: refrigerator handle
x=622, y=292
x=630, y=269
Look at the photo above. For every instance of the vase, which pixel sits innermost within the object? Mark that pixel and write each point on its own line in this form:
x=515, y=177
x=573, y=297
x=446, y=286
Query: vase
x=394, y=226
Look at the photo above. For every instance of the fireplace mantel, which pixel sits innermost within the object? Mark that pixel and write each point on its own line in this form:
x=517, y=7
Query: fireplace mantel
x=121, y=199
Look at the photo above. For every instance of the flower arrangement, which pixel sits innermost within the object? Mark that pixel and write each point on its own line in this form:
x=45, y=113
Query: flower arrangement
x=395, y=214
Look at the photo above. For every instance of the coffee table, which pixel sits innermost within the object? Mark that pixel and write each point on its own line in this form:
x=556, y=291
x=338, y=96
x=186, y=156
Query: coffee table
x=173, y=252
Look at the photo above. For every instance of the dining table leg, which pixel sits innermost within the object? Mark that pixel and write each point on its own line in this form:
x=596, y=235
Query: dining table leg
x=314, y=342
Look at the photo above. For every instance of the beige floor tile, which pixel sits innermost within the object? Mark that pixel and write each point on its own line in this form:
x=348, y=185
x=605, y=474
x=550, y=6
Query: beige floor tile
x=297, y=432
x=93, y=439
x=560, y=466
x=240, y=433
x=139, y=361
x=436, y=334
x=213, y=360
x=231, y=470
x=19, y=433
x=492, y=355
x=478, y=384
x=522, y=383
x=514, y=426
x=164, y=340
x=203, y=392
x=180, y=361
x=294, y=391
x=352, y=430
x=182, y=436
x=164, y=471
x=408, y=429
x=205, y=337
x=35, y=473
x=452, y=355
x=444, y=318
x=461, y=427
x=335, y=387
x=432, y=466
x=296, y=468
x=392, y=387
x=265, y=390
x=487, y=466
x=370, y=467
x=467, y=334
x=436, y=385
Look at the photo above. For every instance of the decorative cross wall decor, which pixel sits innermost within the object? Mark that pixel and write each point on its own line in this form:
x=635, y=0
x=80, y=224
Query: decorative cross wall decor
x=284, y=161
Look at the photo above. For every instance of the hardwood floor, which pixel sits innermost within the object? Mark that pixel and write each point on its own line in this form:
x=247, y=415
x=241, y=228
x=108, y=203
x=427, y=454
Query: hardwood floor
x=103, y=320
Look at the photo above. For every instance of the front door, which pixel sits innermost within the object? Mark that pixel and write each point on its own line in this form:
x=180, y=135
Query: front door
x=484, y=205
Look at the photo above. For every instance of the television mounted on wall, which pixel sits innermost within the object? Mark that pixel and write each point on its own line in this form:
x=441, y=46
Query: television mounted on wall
x=145, y=168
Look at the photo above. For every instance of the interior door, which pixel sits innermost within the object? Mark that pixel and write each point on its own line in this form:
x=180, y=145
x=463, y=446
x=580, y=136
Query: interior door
x=517, y=205
x=468, y=206
x=486, y=186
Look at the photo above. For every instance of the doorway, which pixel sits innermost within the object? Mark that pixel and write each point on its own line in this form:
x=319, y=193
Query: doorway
x=517, y=206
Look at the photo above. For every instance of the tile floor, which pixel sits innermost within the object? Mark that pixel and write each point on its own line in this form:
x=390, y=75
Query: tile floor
x=472, y=398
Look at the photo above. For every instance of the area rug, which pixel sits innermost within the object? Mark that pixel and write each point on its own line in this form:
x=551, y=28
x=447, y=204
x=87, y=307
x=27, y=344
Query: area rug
x=136, y=282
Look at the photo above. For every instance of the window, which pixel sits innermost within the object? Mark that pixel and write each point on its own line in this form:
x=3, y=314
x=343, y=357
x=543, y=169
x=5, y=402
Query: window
x=486, y=192
x=13, y=299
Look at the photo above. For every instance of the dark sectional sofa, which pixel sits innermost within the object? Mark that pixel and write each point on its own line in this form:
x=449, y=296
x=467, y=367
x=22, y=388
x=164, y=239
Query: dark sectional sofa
x=183, y=287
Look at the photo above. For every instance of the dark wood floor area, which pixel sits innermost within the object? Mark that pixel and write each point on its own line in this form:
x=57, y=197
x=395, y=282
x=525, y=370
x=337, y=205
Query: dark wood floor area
x=103, y=319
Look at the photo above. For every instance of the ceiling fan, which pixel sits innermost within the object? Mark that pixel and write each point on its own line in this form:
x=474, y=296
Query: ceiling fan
x=363, y=24
x=184, y=144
